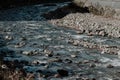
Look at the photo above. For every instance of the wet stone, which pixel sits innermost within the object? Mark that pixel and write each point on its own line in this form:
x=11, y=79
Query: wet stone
x=3, y=66
x=27, y=52
x=92, y=65
x=85, y=61
x=62, y=72
x=20, y=44
x=8, y=37
x=49, y=55
x=68, y=61
x=110, y=66
x=57, y=75
x=80, y=32
x=23, y=38
x=70, y=41
x=75, y=43
x=73, y=56
x=48, y=51
x=56, y=60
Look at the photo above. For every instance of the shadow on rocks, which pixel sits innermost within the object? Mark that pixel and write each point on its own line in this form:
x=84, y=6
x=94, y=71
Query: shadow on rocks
x=65, y=10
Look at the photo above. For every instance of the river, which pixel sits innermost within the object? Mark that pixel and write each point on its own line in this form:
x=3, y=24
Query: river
x=47, y=48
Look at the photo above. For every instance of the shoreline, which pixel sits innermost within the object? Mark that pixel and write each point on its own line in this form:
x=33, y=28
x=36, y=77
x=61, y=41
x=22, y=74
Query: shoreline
x=84, y=21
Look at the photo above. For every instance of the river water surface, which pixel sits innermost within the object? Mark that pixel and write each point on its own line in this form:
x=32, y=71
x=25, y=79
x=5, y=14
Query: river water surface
x=31, y=33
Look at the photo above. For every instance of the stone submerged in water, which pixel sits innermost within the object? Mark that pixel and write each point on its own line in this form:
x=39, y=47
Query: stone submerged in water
x=62, y=72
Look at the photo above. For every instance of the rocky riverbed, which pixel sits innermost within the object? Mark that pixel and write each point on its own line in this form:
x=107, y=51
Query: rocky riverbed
x=31, y=48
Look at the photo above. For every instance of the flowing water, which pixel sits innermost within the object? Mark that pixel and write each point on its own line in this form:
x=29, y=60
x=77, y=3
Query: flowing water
x=26, y=26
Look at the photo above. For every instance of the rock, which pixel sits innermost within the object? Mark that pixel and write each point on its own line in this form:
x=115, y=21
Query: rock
x=23, y=38
x=20, y=44
x=92, y=65
x=102, y=33
x=33, y=52
x=55, y=60
x=8, y=37
x=68, y=61
x=75, y=43
x=110, y=66
x=46, y=51
x=27, y=52
x=73, y=56
x=49, y=55
x=70, y=41
x=118, y=53
x=39, y=62
x=85, y=61
x=57, y=75
x=62, y=72
x=80, y=32
x=3, y=66
x=85, y=78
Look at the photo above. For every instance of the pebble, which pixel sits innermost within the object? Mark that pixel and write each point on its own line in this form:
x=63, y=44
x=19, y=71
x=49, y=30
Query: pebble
x=3, y=66
x=110, y=66
x=57, y=75
x=73, y=56
x=39, y=62
x=80, y=32
x=102, y=33
x=68, y=61
x=85, y=61
x=118, y=53
x=70, y=41
x=8, y=37
x=62, y=72
x=23, y=38
x=75, y=43
x=27, y=52
x=20, y=44
x=55, y=60
x=84, y=78
x=92, y=65
x=49, y=55
x=48, y=51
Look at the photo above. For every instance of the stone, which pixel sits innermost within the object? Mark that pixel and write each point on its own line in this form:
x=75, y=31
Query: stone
x=20, y=44
x=110, y=66
x=68, y=61
x=75, y=43
x=3, y=66
x=62, y=72
x=27, y=52
x=85, y=61
x=92, y=65
x=8, y=37
x=49, y=55
x=57, y=75
x=73, y=56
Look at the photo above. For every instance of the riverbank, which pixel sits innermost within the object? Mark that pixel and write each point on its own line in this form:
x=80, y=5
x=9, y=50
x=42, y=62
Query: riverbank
x=84, y=21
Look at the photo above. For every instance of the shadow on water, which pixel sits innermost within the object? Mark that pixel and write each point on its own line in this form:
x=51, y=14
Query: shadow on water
x=5, y=4
x=40, y=12
x=25, y=10
x=61, y=12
